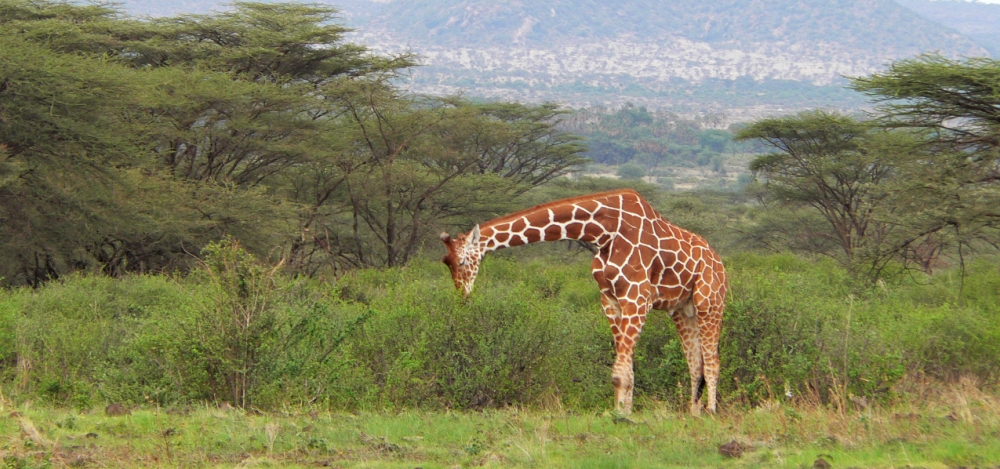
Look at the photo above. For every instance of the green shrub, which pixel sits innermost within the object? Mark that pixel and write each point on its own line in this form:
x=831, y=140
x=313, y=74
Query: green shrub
x=631, y=171
x=257, y=339
x=71, y=334
x=532, y=333
x=427, y=346
x=10, y=306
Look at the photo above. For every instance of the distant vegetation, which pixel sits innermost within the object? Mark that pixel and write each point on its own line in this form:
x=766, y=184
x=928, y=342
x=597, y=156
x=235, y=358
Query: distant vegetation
x=685, y=56
x=765, y=37
x=637, y=143
x=920, y=178
x=694, y=97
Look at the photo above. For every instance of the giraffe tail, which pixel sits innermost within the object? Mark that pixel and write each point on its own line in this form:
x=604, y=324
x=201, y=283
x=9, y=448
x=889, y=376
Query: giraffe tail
x=700, y=389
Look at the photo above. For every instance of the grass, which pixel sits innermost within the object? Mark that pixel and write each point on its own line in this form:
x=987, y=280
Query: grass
x=932, y=426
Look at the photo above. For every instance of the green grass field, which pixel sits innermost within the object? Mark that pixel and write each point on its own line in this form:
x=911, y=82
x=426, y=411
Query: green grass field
x=929, y=426
x=393, y=369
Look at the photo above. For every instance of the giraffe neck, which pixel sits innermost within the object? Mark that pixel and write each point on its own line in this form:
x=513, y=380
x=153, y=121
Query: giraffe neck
x=594, y=218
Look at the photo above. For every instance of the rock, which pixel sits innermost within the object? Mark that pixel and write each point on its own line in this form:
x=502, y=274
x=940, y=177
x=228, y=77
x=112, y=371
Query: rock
x=179, y=410
x=116, y=410
x=821, y=464
x=731, y=450
x=621, y=419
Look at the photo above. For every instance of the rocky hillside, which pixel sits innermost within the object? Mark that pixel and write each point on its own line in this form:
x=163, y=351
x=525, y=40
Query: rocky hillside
x=688, y=55
x=977, y=21
x=869, y=27
x=744, y=57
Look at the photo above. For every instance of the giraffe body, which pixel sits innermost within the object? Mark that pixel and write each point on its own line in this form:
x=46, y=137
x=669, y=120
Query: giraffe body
x=643, y=262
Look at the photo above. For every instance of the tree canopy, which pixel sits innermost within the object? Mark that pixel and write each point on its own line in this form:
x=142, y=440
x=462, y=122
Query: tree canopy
x=126, y=145
x=920, y=175
x=955, y=106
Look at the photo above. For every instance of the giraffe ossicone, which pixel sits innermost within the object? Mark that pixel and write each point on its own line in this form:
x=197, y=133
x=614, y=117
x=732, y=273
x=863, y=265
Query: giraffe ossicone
x=643, y=262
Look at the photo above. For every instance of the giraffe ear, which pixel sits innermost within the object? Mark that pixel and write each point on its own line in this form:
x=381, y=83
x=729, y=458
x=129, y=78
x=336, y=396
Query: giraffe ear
x=474, y=234
x=445, y=238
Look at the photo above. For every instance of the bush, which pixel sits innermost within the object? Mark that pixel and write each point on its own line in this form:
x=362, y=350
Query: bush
x=630, y=171
x=72, y=336
x=426, y=346
x=260, y=339
x=531, y=334
x=232, y=332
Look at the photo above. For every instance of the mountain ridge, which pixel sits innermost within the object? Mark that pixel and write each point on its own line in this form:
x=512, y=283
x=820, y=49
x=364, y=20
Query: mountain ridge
x=864, y=24
x=763, y=57
x=685, y=55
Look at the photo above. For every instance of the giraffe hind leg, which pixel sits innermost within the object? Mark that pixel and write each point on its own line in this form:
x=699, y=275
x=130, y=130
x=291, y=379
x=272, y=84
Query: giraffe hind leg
x=710, y=352
x=709, y=324
x=687, y=328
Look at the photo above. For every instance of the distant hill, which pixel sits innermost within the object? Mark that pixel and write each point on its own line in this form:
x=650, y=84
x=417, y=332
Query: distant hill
x=742, y=57
x=686, y=55
x=977, y=21
x=874, y=27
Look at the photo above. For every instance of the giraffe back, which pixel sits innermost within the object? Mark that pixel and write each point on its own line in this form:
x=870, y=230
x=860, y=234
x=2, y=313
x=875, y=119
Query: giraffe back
x=651, y=259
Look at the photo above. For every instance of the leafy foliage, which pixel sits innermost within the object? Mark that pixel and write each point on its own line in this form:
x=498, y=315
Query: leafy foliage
x=128, y=144
x=652, y=141
x=838, y=166
x=533, y=334
x=919, y=179
x=955, y=105
x=958, y=100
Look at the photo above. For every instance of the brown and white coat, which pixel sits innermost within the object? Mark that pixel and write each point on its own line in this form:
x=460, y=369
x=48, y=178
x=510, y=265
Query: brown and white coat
x=643, y=262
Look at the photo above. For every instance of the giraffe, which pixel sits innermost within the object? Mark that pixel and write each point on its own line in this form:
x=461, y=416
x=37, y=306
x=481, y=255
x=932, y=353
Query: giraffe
x=643, y=262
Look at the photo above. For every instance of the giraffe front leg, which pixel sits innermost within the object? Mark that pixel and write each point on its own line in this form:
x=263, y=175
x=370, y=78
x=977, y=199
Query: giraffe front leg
x=626, y=327
x=622, y=378
x=622, y=375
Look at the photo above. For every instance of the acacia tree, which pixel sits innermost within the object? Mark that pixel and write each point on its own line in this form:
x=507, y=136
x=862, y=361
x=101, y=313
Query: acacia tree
x=59, y=157
x=190, y=120
x=259, y=123
x=259, y=115
x=955, y=106
x=404, y=165
x=838, y=166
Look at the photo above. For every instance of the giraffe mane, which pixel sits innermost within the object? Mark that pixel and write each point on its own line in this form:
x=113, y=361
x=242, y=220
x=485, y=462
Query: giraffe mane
x=555, y=203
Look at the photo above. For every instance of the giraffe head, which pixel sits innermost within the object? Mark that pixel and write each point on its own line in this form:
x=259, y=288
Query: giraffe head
x=464, y=254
